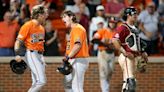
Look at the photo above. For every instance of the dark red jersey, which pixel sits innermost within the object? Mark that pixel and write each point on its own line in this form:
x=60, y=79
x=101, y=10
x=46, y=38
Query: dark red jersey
x=127, y=37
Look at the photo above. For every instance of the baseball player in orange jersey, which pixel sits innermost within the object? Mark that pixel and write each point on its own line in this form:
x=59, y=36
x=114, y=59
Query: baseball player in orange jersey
x=106, y=55
x=32, y=35
x=76, y=53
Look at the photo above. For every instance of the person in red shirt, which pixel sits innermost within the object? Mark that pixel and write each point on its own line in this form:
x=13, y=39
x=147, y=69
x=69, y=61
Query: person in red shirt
x=8, y=30
x=126, y=41
x=114, y=8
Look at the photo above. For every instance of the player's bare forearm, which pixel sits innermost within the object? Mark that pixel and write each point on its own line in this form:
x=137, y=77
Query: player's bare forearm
x=117, y=45
x=75, y=50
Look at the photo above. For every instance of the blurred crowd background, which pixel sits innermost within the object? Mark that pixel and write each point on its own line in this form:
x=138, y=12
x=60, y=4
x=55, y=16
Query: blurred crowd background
x=92, y=14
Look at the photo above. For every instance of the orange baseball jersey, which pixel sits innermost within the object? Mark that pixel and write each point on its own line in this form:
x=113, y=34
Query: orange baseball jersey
x=105, y=35
x=33, y=36
x=78, y=34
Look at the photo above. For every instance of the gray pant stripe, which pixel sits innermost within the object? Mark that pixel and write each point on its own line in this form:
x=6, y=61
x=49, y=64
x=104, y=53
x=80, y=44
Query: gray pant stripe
x=34, y=65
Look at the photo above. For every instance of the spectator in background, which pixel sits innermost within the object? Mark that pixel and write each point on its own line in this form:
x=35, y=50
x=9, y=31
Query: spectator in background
x=4, y=6
x=75, y=8
x=15, y=9
x=92, y=4
x=82, y=18
x=51, y=41
x=20, y=12
x=32, y=3
x=100, y=17
x=8, y=29
x=161, y=22
x=69, y=2
x=148, y=24
x=138, y=4
x=96, y=23
x=24, y=14
x=114, y=8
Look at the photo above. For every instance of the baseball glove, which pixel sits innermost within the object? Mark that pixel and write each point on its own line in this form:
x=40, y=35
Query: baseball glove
x=65, y=69
x=141, y=65
x=18, y=67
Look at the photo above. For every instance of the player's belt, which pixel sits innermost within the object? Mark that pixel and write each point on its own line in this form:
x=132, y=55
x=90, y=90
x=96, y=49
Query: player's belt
x=108, y=51
x=40, y=52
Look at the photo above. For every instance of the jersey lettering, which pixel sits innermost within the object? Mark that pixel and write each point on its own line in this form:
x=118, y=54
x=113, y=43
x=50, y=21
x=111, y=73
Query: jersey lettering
x=37, y=37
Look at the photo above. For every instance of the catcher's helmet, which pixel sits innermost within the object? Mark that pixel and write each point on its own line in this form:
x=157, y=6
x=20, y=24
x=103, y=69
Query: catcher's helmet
x=18, y=67
x=129, y=11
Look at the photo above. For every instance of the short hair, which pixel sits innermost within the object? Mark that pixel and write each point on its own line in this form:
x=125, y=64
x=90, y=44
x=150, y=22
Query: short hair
x=70, y=14
x=36, y=10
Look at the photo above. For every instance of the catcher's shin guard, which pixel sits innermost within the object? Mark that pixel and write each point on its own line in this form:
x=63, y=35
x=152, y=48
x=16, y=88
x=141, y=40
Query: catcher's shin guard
x=131, y=85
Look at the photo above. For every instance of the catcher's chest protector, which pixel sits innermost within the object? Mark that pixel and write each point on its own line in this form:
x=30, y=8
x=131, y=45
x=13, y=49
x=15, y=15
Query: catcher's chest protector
x=133, y=40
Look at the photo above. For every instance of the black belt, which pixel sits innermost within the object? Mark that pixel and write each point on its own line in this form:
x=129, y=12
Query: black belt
x=108, y=51
x=39, y=52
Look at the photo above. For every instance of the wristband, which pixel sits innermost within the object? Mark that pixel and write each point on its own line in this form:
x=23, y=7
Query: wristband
x=67, y=57
x=17, y=53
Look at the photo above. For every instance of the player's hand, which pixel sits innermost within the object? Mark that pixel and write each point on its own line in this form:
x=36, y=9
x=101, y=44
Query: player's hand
x=48, y=42
x=65, y=59
x=129, y=55
x=18, y=58
x=110, y=46
x=144, y=55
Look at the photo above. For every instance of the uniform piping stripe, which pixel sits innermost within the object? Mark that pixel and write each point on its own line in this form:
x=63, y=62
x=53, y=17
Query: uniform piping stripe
x=77, y=78
x=34, y=65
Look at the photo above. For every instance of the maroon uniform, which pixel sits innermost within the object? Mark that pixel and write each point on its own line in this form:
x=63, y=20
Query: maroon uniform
x=128, y=38
x=128, y=43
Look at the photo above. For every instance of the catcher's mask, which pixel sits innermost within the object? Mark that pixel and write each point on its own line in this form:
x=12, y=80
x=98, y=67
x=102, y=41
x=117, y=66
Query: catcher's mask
x=18, y=67
x=65, y=69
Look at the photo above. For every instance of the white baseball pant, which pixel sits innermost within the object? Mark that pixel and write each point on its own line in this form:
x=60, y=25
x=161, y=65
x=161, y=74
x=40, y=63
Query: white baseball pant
x=74, y=82
x=128, y=68
x=106, y=68
x=36, y=63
